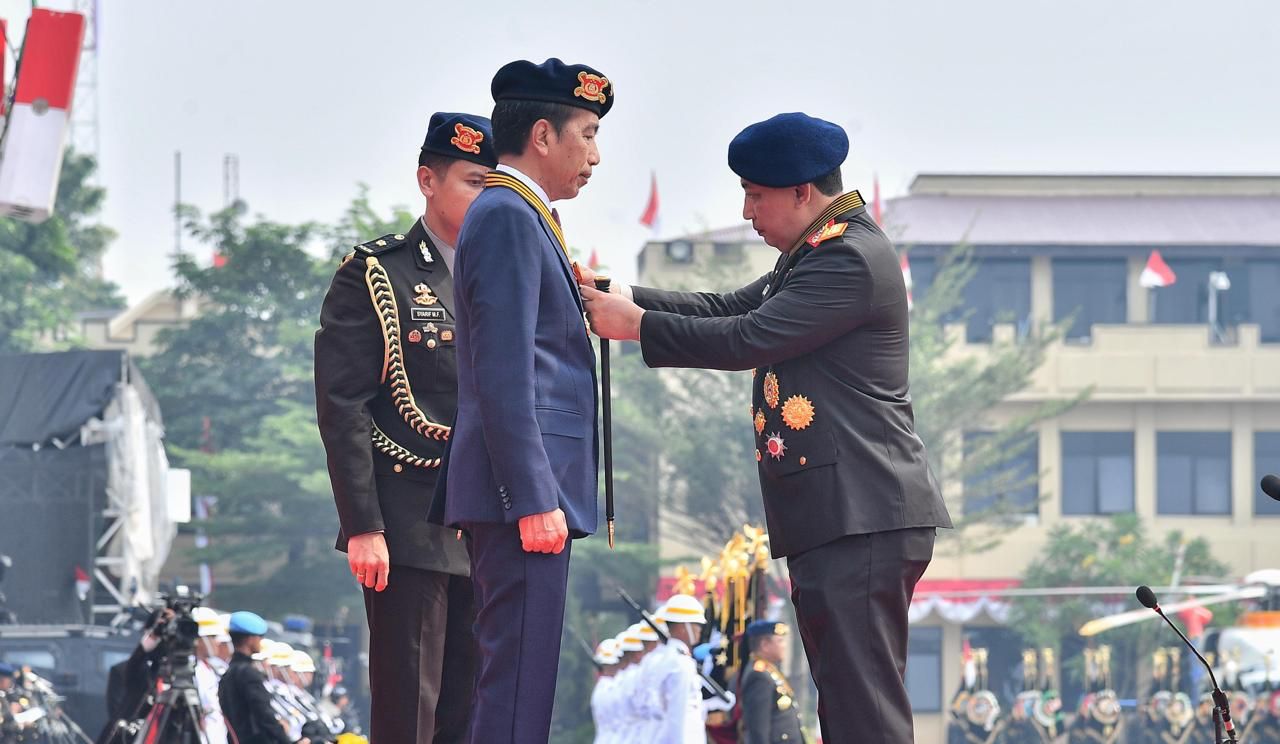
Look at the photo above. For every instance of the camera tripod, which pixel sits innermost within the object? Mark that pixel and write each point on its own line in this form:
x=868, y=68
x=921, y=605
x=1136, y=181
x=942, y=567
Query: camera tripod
x=174, y=719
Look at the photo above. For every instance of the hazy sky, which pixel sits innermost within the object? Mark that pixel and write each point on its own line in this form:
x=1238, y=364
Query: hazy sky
x=315, y=97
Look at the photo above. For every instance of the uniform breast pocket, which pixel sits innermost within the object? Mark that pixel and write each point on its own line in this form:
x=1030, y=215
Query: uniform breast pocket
x=800, y=452
x=431, y=356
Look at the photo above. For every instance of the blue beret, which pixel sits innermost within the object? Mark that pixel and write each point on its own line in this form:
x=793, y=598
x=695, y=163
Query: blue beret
x=555, y=82
x=247, y=623
x=461, y=136
x=788, y=150
x=7, y=670
x=766, y=627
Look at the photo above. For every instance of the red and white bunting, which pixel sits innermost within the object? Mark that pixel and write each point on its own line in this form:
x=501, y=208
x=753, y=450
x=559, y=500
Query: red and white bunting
x=41, y=115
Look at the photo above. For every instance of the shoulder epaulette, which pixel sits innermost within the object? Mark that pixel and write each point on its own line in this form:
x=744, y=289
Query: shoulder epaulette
x=381, y=245
x=760, y=666
x=830, y=230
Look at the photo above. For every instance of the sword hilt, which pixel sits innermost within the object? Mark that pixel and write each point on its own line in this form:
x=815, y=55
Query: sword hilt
x=602, y=283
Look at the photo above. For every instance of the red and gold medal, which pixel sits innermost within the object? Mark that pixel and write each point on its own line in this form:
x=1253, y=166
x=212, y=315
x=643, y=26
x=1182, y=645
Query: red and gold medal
x=797, y=412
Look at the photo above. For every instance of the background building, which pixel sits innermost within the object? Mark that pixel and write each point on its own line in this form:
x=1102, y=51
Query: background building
x=1184, y=415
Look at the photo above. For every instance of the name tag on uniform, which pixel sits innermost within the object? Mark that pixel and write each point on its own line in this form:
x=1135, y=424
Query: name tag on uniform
x=426, y=314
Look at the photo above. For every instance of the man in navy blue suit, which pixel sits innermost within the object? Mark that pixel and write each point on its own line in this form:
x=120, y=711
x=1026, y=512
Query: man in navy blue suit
x=522, y=460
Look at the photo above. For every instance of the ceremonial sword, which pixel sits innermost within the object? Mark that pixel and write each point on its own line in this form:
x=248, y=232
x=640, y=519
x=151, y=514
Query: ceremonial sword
x=602, y=284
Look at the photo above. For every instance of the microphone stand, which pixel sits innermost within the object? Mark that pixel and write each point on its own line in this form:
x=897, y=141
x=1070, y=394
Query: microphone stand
x=1221, y=706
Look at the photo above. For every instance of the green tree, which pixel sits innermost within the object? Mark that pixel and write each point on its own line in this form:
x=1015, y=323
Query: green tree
x=1114, y=552
x=953, y=393
x=48, y=271
x=238, y=397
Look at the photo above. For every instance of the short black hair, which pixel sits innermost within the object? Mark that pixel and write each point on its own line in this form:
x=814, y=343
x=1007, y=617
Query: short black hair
x=830, y=184
x=754, y=641
x=514, y=119
x=238, y=639
x=439, y=164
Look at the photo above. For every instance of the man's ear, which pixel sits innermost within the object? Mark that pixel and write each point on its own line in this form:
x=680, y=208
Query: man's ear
x=802, y=194
x=540, y=136
x=427, y=181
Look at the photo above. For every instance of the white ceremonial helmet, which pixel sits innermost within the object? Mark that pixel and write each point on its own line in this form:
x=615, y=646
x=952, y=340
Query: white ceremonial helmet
x=301, y=662
x=682, y=608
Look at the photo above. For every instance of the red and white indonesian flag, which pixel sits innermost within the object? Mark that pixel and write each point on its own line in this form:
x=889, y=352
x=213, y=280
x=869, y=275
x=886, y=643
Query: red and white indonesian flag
x=906, y=279
x=650, y=216
x=4, y=44
x=1156, y=273
x=32, y=156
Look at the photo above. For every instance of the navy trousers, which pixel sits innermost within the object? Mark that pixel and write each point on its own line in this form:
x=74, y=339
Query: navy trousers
x=519, y=617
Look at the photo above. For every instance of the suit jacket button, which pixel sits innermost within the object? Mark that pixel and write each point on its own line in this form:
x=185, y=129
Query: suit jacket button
x=506, y=505
x=398, y=468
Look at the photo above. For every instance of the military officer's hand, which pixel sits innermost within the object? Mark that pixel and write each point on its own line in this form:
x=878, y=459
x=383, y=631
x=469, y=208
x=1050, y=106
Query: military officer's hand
x=369, y=561
x=543, y=533
x=612, y=316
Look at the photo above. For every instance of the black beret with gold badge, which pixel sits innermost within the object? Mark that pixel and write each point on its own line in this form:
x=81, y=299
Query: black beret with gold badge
x=554, y=81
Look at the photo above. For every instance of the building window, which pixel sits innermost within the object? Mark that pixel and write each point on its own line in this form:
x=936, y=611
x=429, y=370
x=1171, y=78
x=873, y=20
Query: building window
x=1260, y=281
x=1097, y=472
x=1010, y=485
x=1094, y=290
x=1266, y=459
x=1193, y=472
x=680, y=251
x=924, y=669
x=729, y=252
x=999, y=292
x=1004, y=657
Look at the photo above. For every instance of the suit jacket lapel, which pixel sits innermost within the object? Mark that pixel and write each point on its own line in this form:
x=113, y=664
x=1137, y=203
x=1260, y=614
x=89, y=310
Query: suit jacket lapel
x=564, y=259
x=439, y=280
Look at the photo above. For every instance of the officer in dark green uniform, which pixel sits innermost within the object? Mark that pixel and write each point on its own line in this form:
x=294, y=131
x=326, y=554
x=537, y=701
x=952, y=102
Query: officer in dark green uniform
x=769, y=713
x=386, y=395
x=849, y=499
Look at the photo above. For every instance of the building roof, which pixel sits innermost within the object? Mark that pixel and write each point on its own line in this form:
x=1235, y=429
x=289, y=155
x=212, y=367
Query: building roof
x=1088, y=210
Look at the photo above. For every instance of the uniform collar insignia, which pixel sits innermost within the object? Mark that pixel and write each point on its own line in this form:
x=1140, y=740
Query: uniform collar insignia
x=830, y=230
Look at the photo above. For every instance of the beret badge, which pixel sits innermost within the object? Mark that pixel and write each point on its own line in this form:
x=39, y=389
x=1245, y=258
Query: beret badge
x=466, y=139
x=591, y=87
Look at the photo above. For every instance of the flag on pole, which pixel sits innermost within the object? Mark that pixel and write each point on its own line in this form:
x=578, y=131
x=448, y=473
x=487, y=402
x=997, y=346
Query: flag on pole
x=650, y=217
x=906, y=279
x=593, y=262
x=82, y=584
x=204, y=508
x=876, y=210
x=1156, y=273
x=41, y=115
x=3, y=89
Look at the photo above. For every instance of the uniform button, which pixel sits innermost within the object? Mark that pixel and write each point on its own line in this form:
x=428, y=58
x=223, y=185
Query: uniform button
x=431, y=343
x=398, y=468
x=803, y=460
x=785, y=737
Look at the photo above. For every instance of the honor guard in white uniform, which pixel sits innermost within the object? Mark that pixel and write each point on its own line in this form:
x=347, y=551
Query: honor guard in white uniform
x=209, y=669
x=677, y=685
x=602, y=697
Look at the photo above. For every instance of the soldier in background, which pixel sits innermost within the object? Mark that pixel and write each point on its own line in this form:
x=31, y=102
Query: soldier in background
x=769, y=714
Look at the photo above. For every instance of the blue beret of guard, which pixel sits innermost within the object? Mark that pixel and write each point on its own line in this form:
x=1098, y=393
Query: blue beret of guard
x=7, y=670
x=788, y=150
x=248, y=623
x=554, y=81
x=461, y=136
x=766, y=627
